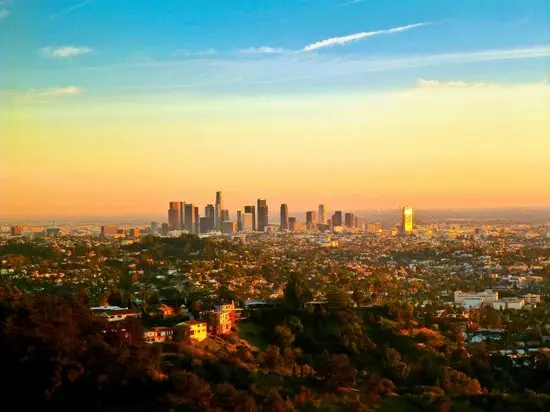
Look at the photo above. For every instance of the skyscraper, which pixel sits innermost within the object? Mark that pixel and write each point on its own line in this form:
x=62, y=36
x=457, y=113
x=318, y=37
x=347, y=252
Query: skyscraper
x=311, y=219
x=251, y=210
x=210, y=216
x=323, y=217
x=239, y=220
x=284, y=216
x=197, y=220
x=174, y=215
x=248, y=222
x=219, y=207
x=189, y=218
x=349, y=220
x=263, y=219
x=224, y=215
x=337, y=218
x=406, y=220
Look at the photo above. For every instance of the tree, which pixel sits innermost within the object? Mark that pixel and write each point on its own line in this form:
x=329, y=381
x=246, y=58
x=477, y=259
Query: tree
x=297, y=293
x=338, y=372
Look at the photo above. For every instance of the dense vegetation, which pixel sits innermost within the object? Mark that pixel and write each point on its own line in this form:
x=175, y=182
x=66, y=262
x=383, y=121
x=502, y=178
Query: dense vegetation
x=55, y=354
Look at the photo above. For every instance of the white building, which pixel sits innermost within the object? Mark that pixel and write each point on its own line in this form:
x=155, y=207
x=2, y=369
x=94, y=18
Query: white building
x=488, y=297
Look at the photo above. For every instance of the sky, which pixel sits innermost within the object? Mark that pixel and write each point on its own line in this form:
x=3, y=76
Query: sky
x=116, y=107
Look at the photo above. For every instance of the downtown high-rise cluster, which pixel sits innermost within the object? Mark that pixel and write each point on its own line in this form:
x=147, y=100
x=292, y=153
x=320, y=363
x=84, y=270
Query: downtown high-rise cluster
x=255, y=218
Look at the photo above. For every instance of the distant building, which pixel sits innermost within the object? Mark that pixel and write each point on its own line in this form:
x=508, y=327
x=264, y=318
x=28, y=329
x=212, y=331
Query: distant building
x=225, y=215
x=263, y=214
x=197, y=220
x=311, y=219
x=109, y=231
x=532, y=299
x=239, y=220
x=229, y=227
x=206, y=224
x=165, y=228
x=349, y=220
x=294, y=225
x=323, y=214
x=487, y=297
x=406, y=220
x=16, y=230
x=189, y=219
x=248, y=222
x=374, y=227
x=154, y=228
x=509, y=303
x=252, y=211
x=175, y=212
x=210, y=213
x=194, y=330
x=133, y=232
x=218, y=209
x=337, y=218
x=53, y=231
x=284, y=216
x=360, y=223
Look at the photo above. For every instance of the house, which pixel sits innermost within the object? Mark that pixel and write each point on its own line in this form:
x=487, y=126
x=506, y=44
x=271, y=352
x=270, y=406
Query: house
x=115, y=313
x=161, y=310
x=158, y=335
x=194, y=330
x=219, y=322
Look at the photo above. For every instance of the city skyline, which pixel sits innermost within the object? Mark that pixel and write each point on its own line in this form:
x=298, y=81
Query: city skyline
x=364, y=105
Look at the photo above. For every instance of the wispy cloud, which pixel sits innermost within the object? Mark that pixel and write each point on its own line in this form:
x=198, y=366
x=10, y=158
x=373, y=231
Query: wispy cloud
x=350, y=2
x=63, y=52
x=39, y=95
x=334, y=41
x=456, y=84
x=261, y=50
x=193, y=53
x=4, y=13
x=70, y=9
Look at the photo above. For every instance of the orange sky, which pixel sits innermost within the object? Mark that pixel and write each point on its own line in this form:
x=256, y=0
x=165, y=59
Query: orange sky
x=433, y=145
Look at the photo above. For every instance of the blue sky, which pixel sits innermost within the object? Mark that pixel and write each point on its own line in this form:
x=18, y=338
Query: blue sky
x=250, y=46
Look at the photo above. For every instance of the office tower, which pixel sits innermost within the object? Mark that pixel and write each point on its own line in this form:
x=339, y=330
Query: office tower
x=329, y=223
x=292, y=224
x=225, y=215
x=251, y=210
x=239, y=220
x=311, y=219
x=248, y=222
x=219, y=208
x=337, y=218
x=206, y=224
x=189, y=218
x=284, y=216
x=210, y=214
x=175, y=212
x=16, y=230
x=165, y=228
x=154, y=228
x=229, y=227
x=263, y=219
x=406, y=220
x=349, y=220
x=109, y=231
x=322, y=218
x=197, y=220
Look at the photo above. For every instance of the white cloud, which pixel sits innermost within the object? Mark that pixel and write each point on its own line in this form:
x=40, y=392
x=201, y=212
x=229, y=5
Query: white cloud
x=350, y=2
x=63, y=52
x=261, y=50
x=333, y=41
x=60, y=91
x=436, y=84
x=4, y=13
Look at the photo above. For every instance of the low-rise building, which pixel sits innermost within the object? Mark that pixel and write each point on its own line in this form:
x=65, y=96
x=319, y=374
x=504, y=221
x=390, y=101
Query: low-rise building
x=488, y=297
x=194, y=330
x=115, y=313
x=158, y=335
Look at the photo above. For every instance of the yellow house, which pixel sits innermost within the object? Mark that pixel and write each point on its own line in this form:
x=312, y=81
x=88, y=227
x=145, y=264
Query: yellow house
x=194, y=330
